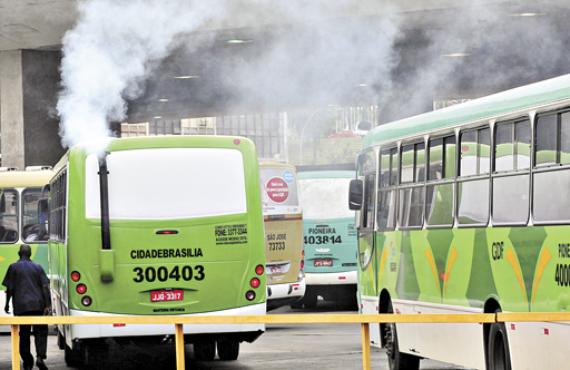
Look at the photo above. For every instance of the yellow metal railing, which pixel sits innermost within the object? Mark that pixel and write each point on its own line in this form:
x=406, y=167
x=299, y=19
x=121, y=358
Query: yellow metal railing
x=363, y=320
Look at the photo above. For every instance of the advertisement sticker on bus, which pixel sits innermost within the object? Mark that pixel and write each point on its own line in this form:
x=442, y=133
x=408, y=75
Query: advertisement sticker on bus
x=288, y=176
x=277, y=190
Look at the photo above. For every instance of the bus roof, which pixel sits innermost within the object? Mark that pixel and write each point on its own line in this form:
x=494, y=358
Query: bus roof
x=21, y=179
x=272, y=163
x=326, y=175
x=503, y=103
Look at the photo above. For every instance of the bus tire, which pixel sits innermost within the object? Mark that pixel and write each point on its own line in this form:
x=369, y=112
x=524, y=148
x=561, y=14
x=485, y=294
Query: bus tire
x=396, y=359
x=205, y=350
x=228, y=350
x=310, y=301
x=499, y=357
x=72, y=357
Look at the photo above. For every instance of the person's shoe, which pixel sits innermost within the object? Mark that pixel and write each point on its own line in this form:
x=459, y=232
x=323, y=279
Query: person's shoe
x=41, y=364
x=28, y=367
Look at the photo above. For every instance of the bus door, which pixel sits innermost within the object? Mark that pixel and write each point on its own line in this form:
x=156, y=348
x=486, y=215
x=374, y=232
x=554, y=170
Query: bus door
x=366, y=172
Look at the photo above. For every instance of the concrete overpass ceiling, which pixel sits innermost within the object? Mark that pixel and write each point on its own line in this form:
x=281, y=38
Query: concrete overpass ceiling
x=256, y=59
x=33, y=24
x=441, y=51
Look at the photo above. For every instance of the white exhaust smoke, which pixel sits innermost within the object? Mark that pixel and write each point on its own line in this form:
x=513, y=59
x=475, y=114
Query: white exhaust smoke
x=108, y=54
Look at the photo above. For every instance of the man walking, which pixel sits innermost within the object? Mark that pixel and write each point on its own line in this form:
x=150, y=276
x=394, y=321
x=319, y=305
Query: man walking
x=28, y=286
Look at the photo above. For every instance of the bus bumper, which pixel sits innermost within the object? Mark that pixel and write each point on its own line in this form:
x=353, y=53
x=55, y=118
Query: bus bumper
x=331, y=278
x=83, y=331
x=283, y=294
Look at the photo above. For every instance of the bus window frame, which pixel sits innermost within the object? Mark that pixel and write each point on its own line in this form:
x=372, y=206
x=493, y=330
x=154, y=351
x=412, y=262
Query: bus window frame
x=545, y=168
x=515, y=171
x=388, y=150
x=414, y=184
x=18, y=205
x=363, y=231
x=470, y=178
x=32, y=188
x=444, y=180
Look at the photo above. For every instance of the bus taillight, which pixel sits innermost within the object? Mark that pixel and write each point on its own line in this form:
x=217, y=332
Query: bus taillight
x=303, y=260
x=254, y=283
x=81, y=288
x=250, y=295
x=259, y=269
x=75, y=276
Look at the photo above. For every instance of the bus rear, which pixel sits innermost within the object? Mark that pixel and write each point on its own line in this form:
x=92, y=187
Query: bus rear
x=23, y=217
x=283, y=234
x=329, y=237
x=160, y=226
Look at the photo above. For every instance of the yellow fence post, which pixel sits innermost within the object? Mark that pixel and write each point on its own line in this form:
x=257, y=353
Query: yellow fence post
x=15, y=329
x=365, y=331
x=180, y=347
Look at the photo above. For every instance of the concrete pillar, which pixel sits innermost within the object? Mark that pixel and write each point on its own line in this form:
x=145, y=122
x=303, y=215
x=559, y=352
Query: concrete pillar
x=29, y=126
x=11, y=109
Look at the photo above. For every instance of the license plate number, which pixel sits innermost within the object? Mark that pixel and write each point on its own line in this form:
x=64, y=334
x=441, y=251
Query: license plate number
x=323, y=263
x=166, y=295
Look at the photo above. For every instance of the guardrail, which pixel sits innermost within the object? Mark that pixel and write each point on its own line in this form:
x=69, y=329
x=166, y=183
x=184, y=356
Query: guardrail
x=363, y=320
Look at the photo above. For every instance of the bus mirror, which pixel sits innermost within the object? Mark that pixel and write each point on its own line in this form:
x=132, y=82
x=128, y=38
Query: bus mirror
x=355, y=195
x=107, y=265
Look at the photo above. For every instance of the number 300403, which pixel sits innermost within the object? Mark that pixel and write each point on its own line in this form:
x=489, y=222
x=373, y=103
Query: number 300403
x=162, y=273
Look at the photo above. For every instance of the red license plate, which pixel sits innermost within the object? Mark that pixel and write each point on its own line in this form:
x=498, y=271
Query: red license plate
x=323, y=263
x=166, y=295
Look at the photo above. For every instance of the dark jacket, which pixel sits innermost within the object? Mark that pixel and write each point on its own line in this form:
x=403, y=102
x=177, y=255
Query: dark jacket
x=27, y=283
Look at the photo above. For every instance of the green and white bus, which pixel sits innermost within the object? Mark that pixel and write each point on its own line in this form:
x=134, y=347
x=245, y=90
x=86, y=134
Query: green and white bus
x=157, y=226
x=467, y=210
x=329, y=234
x=23, y=217
x=283, y=233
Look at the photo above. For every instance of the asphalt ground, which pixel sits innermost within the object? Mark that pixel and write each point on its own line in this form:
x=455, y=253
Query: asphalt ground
x=281, y=347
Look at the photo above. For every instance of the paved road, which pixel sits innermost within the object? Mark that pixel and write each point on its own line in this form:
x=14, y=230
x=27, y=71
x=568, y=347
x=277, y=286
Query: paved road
x=282, y=347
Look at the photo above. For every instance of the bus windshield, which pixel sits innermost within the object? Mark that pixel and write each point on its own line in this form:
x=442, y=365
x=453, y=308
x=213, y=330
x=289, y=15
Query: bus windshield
x=324, y=198
x=8, y=216
x=34, y=216
x=169, y=183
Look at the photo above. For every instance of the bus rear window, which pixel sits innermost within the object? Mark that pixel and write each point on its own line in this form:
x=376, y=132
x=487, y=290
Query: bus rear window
x=169, y=183
x=324, y=198
x=8, y=216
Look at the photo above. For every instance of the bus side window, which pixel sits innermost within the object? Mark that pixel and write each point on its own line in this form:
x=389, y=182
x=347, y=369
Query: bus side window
x=473, y=195
x=368, y=211
x=386, y=207
x=552, y=147
x=440, y=188
x=511, y=193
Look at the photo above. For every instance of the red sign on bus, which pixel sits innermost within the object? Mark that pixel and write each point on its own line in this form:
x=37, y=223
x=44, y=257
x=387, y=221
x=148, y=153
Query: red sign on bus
x=277, y=190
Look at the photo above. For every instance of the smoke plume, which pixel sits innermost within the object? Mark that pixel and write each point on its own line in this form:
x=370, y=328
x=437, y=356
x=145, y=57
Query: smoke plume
x=110, y=52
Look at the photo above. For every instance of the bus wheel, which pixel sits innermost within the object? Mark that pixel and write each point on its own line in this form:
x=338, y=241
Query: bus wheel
x=228, y=350
x=396, y=359
x=310, y=301
x=72, y=357
x=498, y=350
x=205, y=350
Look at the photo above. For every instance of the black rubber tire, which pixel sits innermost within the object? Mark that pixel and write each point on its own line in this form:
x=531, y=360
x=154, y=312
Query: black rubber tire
x=498, y=354
x=228, y=350
x=396, y=359
x=72, y=358
x=205, y=350
x=310, y=301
